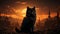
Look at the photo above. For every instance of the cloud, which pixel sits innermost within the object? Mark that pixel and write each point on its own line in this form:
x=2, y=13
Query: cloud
x=21, y=2
x=7, y=10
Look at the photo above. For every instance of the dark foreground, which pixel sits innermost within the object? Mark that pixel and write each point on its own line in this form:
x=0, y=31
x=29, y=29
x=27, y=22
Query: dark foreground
x=38, y=32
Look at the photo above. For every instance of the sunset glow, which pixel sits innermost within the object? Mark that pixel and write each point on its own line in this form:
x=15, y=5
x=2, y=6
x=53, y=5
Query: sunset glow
x=41, y=17
x=24, y=12
x=20, y=14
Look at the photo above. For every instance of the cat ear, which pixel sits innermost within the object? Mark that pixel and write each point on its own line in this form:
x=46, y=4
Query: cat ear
x=27, y=7
x=34, y=8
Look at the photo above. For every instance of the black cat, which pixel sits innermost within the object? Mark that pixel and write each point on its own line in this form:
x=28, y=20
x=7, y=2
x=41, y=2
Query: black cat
x=29, y=20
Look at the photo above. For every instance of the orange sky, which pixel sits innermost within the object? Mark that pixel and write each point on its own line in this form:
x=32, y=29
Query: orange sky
x=21, y=14
x=20, y=11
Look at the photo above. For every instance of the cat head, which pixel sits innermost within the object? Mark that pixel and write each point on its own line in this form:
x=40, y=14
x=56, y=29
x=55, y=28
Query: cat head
x=30, y=12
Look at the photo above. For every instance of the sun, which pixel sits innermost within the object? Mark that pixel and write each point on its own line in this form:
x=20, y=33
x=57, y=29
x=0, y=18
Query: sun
x=24, y=12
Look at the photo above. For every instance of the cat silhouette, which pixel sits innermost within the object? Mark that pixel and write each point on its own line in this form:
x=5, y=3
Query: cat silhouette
x=28, y=21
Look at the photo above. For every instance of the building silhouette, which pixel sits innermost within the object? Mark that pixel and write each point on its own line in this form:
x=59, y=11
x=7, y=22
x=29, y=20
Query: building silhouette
x=49, y=14
x=52, y=25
